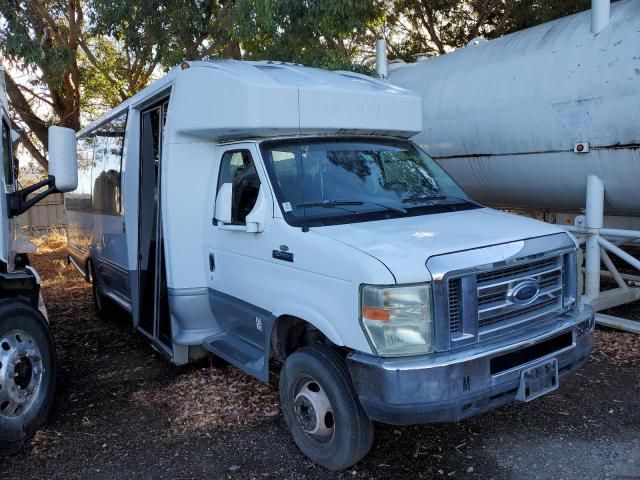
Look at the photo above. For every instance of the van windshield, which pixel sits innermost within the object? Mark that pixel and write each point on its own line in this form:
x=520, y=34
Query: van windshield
x=328, y=181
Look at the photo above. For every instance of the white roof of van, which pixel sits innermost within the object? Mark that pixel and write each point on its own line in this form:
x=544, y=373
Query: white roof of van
x=230, y=99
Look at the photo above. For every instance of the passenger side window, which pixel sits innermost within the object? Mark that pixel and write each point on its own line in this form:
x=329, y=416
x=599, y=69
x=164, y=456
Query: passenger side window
x=238, y=169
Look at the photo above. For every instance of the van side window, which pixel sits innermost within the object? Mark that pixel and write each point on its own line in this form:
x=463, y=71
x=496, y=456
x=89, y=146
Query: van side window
x=237, y=167
x=99, y=169
x=7, y=164
x=80, y=199
x=107, y=166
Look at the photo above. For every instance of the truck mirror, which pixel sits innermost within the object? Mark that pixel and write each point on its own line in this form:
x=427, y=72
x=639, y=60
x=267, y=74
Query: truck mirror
x=223, y=203
x=257, y=217
x=63, y=161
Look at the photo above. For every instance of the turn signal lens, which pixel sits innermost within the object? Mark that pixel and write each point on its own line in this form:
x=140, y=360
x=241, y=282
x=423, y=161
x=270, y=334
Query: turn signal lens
x=372, y=313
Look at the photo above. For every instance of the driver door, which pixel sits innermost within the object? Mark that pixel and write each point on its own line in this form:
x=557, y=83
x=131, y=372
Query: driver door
x=238, y=264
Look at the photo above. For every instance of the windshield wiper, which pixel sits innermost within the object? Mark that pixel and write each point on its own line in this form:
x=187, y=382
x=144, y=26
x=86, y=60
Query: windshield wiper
x=344, y=203
x=428, y=198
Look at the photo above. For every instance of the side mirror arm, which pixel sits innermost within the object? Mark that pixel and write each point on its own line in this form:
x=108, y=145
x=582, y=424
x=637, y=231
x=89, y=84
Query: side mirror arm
x=18, y=201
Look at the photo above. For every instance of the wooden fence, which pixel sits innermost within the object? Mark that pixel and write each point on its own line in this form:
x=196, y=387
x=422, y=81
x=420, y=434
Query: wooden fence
x=47, y=214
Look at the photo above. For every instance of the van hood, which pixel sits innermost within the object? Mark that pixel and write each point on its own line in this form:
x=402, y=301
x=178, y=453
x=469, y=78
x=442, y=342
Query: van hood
x=405, y=244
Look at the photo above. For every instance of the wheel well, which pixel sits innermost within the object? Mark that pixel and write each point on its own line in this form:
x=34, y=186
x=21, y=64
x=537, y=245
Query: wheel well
x=291, y=333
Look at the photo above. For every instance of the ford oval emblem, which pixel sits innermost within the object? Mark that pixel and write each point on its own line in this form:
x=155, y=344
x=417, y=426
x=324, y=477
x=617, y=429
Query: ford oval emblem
x=524, y=292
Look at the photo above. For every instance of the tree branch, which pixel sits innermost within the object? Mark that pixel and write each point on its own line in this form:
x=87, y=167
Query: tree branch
x=34, y=151
x=94, y=61
x=24, y=110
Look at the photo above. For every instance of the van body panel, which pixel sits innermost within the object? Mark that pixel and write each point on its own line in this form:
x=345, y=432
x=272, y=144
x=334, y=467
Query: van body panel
x=405, y=244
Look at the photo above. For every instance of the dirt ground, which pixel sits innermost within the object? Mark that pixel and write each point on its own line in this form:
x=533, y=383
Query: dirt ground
x=124, y=412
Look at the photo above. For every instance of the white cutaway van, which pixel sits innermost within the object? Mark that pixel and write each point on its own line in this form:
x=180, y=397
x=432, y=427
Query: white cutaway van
x=280, y=218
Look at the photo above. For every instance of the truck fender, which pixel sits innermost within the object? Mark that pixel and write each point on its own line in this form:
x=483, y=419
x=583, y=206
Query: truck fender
x=314, y=318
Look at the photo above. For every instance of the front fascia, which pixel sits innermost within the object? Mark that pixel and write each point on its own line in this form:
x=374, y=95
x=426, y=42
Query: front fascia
x=464, y=265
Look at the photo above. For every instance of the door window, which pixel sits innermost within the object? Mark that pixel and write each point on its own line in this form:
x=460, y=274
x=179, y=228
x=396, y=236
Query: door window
x=238, y=168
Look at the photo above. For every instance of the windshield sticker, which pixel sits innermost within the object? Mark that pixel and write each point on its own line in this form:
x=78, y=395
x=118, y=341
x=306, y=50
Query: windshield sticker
x=286, y=206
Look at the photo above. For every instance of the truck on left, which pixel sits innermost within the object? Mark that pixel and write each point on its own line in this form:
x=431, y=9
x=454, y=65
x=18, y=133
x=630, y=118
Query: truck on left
x=27, y=353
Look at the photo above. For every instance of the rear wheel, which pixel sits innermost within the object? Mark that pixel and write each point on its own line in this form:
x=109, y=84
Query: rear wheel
x=27, y=373
x=103, y=305
x=321, y=409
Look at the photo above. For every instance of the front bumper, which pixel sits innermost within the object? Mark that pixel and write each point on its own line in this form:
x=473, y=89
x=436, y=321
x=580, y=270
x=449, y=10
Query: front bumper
x=455, y=385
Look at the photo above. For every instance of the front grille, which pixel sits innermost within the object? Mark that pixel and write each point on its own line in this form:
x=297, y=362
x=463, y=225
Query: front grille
x=454, y=306
x=495, y=308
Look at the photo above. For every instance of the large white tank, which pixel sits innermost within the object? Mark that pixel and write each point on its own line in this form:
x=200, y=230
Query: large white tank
x=504, y=117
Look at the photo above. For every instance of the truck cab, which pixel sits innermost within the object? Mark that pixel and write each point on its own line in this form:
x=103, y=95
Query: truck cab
x=27, y=354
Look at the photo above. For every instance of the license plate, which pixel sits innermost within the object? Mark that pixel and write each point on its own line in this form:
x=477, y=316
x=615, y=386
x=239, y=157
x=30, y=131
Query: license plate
x=538, y=380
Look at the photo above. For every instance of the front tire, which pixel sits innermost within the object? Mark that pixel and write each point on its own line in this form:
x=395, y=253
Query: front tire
x=27, y=373
x=321, y=408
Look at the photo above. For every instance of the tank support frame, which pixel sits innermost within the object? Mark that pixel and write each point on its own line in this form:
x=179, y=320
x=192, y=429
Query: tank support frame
x=598, y=243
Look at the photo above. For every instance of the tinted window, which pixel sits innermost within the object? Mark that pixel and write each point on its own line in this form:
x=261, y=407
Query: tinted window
x=7, y=163
x=237, y=167
x=99, y=169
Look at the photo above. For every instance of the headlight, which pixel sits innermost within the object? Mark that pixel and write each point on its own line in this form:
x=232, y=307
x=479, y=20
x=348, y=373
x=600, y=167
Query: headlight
x=398, y=320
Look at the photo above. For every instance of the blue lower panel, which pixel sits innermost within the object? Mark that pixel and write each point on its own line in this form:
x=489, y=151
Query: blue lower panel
x=246, y=334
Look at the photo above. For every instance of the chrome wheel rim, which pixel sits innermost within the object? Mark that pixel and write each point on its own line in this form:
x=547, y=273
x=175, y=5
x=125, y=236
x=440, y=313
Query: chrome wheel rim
x=21, y=373
x=313, y=412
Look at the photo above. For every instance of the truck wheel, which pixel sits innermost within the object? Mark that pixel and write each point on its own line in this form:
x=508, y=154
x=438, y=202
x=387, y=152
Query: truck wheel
x=321, y=409
x=27, y=373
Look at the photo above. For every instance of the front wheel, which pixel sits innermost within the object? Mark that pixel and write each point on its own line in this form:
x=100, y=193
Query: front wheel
x=321, y=408
x=27, y=373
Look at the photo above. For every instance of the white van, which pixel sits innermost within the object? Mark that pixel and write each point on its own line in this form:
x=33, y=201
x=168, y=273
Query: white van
x=280, y=218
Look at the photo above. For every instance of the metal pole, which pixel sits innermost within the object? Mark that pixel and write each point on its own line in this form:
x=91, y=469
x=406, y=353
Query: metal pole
x=634, y=262
x=381, y=58
x=600, y=13
x=594, y=222
x=612, y=269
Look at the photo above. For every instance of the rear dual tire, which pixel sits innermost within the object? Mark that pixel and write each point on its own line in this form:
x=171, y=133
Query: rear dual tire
x=27, y=373
x=322, y=410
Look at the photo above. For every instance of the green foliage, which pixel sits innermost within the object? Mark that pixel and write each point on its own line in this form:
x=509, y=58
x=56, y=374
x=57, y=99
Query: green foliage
x=437, y=26
x=321, y=33
x=85, y=56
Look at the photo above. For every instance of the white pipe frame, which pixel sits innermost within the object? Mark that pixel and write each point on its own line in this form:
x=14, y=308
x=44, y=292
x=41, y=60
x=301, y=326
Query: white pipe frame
x=597, y=249
x=381, y=59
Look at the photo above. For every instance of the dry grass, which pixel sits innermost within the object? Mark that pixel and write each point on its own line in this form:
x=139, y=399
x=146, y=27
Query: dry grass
x=51, y=250
x=53, y=242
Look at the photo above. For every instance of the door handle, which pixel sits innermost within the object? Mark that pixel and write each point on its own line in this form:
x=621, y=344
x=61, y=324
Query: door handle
x=212, y=262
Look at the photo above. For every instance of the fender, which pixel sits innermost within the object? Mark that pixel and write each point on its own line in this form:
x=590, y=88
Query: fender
x=313, y=317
